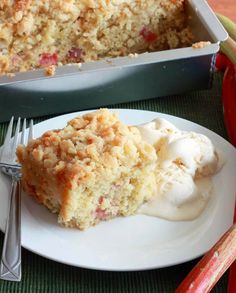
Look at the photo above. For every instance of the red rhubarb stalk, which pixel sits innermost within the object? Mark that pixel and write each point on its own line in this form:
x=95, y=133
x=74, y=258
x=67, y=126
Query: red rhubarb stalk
x=229, y=102
x=212, y=266
x=228, y=48
x=232, y=271
x=222, y=61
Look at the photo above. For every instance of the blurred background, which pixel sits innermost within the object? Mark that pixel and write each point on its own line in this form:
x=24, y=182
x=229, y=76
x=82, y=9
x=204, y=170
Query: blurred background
x=226, y=7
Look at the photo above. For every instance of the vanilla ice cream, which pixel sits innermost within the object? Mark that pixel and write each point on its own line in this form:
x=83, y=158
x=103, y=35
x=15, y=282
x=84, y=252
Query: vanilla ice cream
x=186, y=163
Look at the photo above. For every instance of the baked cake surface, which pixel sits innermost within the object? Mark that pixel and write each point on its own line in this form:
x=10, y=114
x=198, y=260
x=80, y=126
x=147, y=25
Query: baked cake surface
x=45, y=33
x=94, y=169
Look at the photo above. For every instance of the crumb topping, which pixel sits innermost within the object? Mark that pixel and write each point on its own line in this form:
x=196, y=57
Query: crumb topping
x=38, y=34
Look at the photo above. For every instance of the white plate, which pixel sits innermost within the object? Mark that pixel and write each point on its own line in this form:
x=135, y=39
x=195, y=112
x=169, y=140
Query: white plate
x=136, y=242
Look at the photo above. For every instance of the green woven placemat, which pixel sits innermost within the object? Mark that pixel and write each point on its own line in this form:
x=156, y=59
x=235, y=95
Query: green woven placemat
x=43, y=275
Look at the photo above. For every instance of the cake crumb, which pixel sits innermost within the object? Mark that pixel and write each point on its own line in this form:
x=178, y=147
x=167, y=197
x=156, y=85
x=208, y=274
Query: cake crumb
x=200, y=45
x=50, y=70
x=135, y=55
x=11, y=75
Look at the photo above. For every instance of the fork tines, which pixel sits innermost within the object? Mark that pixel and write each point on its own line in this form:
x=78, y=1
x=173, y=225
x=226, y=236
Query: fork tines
x=10, y=144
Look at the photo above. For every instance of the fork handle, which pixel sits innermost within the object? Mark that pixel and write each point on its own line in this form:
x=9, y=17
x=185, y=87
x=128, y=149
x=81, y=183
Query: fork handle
x=10, y=268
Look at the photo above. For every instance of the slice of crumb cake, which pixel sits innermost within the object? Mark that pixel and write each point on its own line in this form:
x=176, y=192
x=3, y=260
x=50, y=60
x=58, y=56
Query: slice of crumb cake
x=94, y=169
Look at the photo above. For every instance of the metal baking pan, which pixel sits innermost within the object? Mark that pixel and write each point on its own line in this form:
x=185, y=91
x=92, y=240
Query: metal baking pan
x=118, y=80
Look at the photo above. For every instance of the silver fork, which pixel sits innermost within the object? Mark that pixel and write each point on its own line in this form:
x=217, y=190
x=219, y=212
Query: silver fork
x=10, y=267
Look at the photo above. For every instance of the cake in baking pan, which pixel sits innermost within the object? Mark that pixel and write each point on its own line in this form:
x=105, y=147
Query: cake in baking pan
x=46, y=33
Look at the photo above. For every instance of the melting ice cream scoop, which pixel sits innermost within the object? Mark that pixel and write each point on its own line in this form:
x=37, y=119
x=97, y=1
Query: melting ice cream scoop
x=186, y=163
